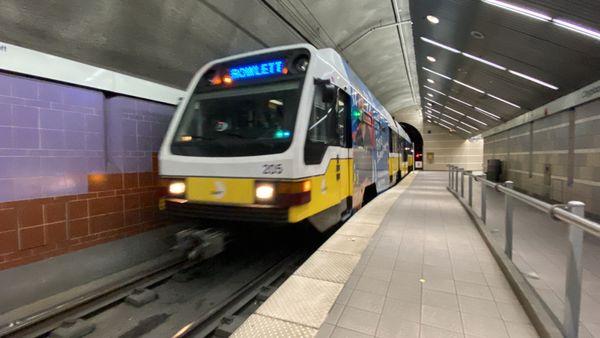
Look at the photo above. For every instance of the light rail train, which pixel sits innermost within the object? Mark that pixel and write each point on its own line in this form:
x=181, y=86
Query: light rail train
x=280, y=135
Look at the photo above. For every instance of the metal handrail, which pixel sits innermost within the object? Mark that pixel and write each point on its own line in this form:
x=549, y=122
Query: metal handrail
x=573, y=213
x=585, y=224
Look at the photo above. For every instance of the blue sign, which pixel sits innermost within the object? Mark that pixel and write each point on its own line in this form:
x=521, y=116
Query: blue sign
x=263, y=69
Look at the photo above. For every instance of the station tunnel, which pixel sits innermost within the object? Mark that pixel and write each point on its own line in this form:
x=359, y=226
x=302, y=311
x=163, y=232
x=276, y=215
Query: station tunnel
x=277, y=168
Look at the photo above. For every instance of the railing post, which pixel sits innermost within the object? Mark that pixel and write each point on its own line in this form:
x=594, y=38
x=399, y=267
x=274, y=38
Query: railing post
x=508, y=221
x=456, y=179
x=574, y=270
x=483, y=202
x=449, y=176
x=470, y=174
x=462, y=183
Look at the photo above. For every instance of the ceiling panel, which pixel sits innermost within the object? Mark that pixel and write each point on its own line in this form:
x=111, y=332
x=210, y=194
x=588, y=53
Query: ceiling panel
x=165, y=41
x=538, y=49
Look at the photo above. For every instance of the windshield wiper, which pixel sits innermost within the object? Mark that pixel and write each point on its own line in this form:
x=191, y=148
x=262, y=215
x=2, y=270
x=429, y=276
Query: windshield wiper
x=238, y=135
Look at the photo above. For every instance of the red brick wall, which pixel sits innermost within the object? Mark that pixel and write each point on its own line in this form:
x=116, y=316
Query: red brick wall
x=116, y=206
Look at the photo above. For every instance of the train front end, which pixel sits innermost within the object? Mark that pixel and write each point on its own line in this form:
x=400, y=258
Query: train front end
x=230, y=150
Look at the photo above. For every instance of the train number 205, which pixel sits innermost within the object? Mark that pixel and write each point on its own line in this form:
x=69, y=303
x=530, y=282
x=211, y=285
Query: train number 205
x=272, y=169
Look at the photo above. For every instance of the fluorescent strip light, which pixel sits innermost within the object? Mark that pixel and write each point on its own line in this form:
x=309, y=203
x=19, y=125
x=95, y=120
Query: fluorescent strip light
x=468, y=125
x=487, y=113
x=519, y=10
x=463, y=102
x=503, y=100
x=429, y=94
x=443, y=125
x=430, y=81
x=470, y=87
x=476, y=120
x=576, y=28
x=436, y=73
x=463, y=129
x=430, y=59
x=430, y=100
x=447, y=123
x=454, y=110
x=435, y=43
x=527, y=77
x=434, y=90
x=450, y=117
x=437, y=111
x=489, y=63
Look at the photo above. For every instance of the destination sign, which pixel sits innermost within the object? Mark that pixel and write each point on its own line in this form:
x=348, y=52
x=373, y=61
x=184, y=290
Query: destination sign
x=257, y=70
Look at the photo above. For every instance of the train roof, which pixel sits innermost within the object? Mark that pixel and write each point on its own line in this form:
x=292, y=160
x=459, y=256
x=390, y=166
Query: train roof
x=335, y=60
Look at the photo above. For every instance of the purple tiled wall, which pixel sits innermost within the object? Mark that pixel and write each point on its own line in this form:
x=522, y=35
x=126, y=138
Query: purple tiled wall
x=135, y=130
x=52, y=135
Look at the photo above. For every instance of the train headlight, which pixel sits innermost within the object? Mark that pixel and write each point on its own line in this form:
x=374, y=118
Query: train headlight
x=283, y=193
x=177, y=188
x=265, y=191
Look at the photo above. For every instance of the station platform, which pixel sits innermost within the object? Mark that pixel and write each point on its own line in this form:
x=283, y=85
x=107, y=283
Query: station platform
x=409, y=264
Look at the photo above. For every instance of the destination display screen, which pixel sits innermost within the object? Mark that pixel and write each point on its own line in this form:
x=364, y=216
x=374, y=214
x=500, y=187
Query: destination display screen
x=258, y=70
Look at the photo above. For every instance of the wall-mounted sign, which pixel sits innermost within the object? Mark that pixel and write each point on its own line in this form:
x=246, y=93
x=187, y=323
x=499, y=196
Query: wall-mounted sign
x=430, y=157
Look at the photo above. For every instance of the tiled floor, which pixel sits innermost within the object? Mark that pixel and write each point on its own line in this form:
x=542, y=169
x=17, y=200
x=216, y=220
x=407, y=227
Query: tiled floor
x=427, y=273
x=540, y=252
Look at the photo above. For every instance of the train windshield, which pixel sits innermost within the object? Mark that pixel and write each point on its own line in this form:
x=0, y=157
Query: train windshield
x=245, y=121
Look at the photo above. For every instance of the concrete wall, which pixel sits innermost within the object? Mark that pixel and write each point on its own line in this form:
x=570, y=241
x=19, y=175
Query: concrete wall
x=76, y=167
x=556, y=157
x=447, y=148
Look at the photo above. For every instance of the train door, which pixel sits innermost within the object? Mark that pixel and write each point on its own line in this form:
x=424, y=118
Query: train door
x=328, y=129
x=344, y=169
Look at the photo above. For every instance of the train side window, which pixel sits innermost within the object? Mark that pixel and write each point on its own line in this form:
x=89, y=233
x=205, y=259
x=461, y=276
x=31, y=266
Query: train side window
x=326, y=126
x=343, y=118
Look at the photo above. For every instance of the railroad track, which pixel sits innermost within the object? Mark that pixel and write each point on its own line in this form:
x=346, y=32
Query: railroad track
x=250, y=276
x=47, y=320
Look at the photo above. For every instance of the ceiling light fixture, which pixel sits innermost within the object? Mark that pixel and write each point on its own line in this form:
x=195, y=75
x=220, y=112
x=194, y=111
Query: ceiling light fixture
x=429, y=94
x=476, y=120
x=489, y=63
x=543, y=17
x=433, y=19
x=455, y=111
x=430, y=59
x=576, y=28
x=519, y=10
x=429, y=104
x=463, y=102
x=441, y=45
x=487, y=113
x=446, y=122
x=503, y=100
x=430, y=100
x=437, y=111
x=450, y=117
x=527, y=77
x=430, y=81
x=468, y=125
x=463, y=129
x=434, y=90
x=436, y=73
x=470, y=87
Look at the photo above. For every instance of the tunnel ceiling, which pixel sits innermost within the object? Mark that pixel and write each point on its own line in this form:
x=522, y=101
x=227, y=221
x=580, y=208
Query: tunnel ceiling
x=167, y=41
x=535, y=47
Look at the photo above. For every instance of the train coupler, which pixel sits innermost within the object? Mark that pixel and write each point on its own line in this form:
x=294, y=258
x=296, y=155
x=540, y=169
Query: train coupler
x=200, y=243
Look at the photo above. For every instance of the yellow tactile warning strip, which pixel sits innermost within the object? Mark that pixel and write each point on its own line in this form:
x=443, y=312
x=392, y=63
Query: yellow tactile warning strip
x=301, y=304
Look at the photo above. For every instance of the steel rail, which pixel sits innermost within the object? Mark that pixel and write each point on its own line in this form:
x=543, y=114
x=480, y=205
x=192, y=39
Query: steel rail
x=239, y=298
x=50, y=318
x=553, y=210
